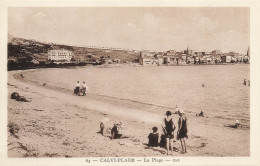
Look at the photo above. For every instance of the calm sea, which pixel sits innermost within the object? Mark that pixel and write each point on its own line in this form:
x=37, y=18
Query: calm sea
x=223, y=95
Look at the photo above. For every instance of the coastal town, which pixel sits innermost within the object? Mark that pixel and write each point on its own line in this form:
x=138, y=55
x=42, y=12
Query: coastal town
x=171, y=57
x=188, y=56
x=23, y=53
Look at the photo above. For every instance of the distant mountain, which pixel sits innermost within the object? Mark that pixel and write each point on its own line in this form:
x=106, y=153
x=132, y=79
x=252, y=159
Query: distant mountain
x=19, y=47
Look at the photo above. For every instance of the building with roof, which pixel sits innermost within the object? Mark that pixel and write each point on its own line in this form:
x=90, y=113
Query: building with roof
x=226, y=59
x=59, y=55
x=151, y=61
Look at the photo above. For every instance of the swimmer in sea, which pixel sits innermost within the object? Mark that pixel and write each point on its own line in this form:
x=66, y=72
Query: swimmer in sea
x=244, y=82
x=238, y=124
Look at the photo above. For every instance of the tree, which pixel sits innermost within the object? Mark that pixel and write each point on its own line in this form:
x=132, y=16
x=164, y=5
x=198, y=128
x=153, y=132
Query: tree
x=102, y=59
x=25, y=59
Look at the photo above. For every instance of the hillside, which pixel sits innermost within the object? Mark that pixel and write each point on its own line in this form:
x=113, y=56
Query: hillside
x=20, y=48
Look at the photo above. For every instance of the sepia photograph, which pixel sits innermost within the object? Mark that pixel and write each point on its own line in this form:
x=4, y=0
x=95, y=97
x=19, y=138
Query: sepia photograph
x=118, y=83
x=128, y=82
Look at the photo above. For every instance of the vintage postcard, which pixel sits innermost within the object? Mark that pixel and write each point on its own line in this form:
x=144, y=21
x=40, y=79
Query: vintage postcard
x=129, y=83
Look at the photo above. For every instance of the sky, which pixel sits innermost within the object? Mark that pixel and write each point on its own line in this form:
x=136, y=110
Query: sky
x=139, y=28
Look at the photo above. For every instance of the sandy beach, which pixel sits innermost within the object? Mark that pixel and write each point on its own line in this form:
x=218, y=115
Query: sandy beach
x=57, y=123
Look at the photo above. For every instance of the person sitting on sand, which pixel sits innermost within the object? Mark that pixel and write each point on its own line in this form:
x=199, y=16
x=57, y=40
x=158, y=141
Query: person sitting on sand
x=84, y=88
x=236, y=125
x=77, y=88
x=115, y=131
x=153, y=137
x=200, y=114
x=182, y=130
x=103, y=125
x=17, y=97
x=168, y=129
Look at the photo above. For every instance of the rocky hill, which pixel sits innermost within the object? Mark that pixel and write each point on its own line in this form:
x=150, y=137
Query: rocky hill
x=21, y=48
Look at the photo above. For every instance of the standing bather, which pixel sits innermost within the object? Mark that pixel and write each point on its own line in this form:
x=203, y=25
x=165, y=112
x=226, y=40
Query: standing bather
x=77, y=88
x=182, y=130
x=84, y=88
x=168, y=129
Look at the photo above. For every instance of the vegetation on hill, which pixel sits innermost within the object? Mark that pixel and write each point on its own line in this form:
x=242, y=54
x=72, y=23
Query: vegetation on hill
x=19, y=48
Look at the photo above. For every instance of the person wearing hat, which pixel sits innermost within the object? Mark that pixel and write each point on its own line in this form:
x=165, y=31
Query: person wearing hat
x=182, y=130
x=168, y=129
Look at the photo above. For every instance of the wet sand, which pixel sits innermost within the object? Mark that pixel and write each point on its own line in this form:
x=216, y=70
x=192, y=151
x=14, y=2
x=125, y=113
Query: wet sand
x=58, y=124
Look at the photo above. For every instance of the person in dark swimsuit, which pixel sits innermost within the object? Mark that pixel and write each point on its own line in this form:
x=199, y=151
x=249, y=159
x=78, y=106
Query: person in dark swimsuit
x=244, y=82
x=200, y=114
x=77, y=88
x=153, y=138
x=168, y=129
x=182, y=130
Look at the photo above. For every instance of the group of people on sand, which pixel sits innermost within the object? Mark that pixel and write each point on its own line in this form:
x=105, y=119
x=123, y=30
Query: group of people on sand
x=168, y=128
x=115, y=130
x=78, y=90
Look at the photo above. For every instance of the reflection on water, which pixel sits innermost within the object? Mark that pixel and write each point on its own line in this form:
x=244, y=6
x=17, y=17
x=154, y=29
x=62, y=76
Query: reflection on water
x=223, y=94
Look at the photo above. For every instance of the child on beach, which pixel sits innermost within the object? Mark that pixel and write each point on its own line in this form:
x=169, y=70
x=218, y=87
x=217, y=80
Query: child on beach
x=153, y=138
x=182, y=130
x=168, y=129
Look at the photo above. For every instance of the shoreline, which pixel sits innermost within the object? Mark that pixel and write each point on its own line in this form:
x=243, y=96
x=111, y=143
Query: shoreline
x=114, y=99
x=200, y=142
x=127, y=65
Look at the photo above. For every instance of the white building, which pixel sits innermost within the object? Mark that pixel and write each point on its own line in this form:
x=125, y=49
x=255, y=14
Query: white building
x=60, y=55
